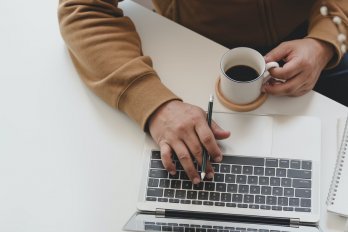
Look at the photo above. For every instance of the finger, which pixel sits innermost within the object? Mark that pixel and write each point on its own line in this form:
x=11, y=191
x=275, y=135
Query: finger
x=278, y=53
x=288, y=71
x=186, y=161
x=167, y=160
x=192, y=142
x=207, y=138
x=218, y=132
x=288, y=88
x=209, y=170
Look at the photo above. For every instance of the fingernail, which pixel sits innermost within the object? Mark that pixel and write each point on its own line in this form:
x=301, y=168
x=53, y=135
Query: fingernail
x=210, y=175
x=196, y=180
x=172, y=173
x=218, y=159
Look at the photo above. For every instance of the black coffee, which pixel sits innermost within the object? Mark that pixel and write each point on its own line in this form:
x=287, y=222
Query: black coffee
x=242, y=73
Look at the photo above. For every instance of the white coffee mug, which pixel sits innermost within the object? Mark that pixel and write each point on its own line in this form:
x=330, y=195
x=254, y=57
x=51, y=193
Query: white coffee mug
x=238, y=91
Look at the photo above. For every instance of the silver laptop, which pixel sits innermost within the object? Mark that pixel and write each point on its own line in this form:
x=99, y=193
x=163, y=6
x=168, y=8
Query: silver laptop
x=268, y=180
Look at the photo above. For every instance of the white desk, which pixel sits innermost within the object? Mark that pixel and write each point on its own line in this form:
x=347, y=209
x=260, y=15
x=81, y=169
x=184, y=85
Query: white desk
x=64, y=154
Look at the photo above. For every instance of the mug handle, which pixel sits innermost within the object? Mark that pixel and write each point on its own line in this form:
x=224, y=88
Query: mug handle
x=267, y=76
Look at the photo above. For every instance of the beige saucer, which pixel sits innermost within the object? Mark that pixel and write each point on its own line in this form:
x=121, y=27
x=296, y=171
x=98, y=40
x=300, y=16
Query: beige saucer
x=235, y=107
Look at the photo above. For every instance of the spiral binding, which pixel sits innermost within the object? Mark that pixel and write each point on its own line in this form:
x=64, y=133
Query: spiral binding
x=339, y=166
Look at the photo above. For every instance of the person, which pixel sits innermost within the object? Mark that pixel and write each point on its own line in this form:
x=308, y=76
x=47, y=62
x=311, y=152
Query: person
x=307, y=36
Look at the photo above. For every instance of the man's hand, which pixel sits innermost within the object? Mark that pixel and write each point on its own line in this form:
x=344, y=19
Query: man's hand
x=304, y=60
x=182, y=128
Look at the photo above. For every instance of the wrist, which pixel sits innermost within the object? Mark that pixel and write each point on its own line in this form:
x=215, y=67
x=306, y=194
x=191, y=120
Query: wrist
x=325, y=49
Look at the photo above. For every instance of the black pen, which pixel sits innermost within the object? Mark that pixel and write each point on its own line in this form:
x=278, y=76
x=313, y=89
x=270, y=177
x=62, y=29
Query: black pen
x=205, y=152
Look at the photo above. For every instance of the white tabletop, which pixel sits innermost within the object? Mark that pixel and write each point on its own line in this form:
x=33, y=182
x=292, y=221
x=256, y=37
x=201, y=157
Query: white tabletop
x=65, y=155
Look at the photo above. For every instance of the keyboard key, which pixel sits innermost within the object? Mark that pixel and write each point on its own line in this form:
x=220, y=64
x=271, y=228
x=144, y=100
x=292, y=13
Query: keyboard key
x=248, y=199
x=284, y=163
x=253, y=179
x=230, y=178
x=288, y=208
x=283, y=201
x=158, y=173
x=237, y=198
x=157, y=164
x=266, y=207
x=236, y=169
x=197, y=202
x=271, y=162
x=209, y=186
x=259, y=171
x=172, y=200
x=254, y=206
x=234, y=205
x=263, y=180
x=296, y=164
x=260, y=199
x=241, y=179
x=208, y=203
x=164, y=183
x=243, y=189
x=176, y=176
x=187, y=185
x=304, y=193
x=303, y=210
x=198, y=186
x=178, y=166
x=242, y=205
x=277, y=191
x=219, y=177
x=186, y=202
x=294, y=201
x=203, y=195
x=281, y=172
x=289, y=192
x=255, y=189
x=286, y=182
x=220, y=187
x=169, y=193
x=192, y=195
x=225, y=168
x=270, y=172
x=156, y=155
x=270, y=200
x=219, y=204
x=300, y=183
x=248, y=170
x=275, y=181
x=152, y=228
x=162, y=199
x=153, y=182
x=266, y=190
x=226, y=197
x=303, y=174
x=180, y=194
x=279, y=208
x=154, y=192
x=176, y=184
x=243, y=160
x=232, y=188
x=305, y=202
x=151, y=198
x=306, y=165
x=183, y=176
x=216, y=167
x=214, y=196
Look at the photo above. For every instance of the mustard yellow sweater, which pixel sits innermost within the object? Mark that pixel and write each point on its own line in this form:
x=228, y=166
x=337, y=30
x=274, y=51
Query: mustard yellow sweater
x=106, y=49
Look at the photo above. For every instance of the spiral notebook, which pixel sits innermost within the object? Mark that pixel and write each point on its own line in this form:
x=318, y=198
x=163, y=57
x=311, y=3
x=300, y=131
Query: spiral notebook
x=338, y=193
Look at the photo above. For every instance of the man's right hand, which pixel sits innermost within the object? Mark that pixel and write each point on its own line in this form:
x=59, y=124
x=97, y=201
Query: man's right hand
x=182, y=128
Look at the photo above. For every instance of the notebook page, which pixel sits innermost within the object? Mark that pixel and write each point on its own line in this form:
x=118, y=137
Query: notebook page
x=338, y=194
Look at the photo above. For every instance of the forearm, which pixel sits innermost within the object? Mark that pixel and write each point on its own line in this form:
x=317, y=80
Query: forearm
x=106, y=51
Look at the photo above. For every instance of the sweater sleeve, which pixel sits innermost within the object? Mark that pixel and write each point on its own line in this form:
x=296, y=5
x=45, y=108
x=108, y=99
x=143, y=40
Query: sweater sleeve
x=323, y=28
x=106, y=51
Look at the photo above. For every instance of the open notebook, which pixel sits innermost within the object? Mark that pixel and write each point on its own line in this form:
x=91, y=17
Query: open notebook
x=337, y=198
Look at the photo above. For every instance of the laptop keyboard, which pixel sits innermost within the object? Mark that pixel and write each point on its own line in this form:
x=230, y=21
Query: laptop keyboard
x=160, y=226
x=239, y=182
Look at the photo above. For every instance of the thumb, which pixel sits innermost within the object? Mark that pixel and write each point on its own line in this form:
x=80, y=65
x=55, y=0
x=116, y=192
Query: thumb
x=218, y=132
x=278, y=53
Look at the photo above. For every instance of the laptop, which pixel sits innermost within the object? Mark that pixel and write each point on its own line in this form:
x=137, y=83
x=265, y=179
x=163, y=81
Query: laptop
x=268, y=180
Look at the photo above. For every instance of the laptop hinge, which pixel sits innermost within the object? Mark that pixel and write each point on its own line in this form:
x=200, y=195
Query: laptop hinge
x=160, y=213
x=294, y=222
